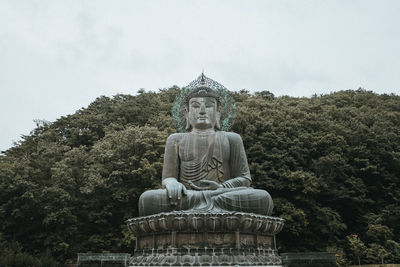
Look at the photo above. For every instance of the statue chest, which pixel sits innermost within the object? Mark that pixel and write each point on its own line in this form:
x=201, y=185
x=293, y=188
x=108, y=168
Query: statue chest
x=204, y=157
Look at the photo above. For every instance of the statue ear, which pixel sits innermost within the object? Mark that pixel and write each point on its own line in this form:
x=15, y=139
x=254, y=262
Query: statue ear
x=187, y=127
x=218, y=122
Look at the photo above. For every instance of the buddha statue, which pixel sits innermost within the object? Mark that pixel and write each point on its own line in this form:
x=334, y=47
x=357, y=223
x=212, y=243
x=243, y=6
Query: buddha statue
x=205, y=168
x=206, y=213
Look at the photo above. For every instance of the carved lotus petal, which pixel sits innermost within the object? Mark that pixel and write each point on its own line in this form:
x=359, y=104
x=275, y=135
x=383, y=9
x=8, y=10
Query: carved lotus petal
x=147, y=259
x=179, y=223
x=224, y=259
x=153, y=224
x=258, y=224
x=275, y=226
x=267, y=226
x=196, y=223
x=136, y=260
x=205, y=259
x=241, y=259
x=265, y=259
x=246, y=223
x=144, y=226
x=134, y=227
x=214, y=223
x=162, y=222
x=188, y=260
x=276, y=259
x=253, y=259
x=232, y=222
x=169, y=260
x=280, y=227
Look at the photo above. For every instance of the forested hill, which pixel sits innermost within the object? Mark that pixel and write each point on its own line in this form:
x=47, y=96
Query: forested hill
x=331, y=164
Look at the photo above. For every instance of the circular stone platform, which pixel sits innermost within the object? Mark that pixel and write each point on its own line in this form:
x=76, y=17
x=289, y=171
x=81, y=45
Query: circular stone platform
x=205, y=239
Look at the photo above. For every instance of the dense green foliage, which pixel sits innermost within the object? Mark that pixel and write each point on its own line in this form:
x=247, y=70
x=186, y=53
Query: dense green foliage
x=331, y=164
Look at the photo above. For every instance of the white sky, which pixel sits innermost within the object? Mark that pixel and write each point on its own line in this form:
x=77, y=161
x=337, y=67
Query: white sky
x=58, y=56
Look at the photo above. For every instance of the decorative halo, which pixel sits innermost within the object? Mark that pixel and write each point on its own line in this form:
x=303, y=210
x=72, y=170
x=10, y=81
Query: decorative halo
x=227, y=104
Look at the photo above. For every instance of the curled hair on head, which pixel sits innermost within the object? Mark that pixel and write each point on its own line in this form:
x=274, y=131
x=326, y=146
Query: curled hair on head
x=202, y=91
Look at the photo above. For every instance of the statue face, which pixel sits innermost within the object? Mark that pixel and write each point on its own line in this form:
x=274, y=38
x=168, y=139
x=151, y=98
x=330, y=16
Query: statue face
x=203, y=112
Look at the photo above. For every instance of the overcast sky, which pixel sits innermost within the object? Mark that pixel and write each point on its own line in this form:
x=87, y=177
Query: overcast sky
x=58, y=56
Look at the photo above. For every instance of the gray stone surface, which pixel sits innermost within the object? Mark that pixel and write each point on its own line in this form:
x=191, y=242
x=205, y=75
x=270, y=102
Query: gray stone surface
x=205, y=222
x=203, y=239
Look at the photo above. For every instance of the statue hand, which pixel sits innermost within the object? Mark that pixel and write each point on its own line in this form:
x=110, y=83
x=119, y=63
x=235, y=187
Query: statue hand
x=175, y=190
x=208, y=185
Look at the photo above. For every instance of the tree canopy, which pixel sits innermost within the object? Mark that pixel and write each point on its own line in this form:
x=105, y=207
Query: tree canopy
x=330, y=162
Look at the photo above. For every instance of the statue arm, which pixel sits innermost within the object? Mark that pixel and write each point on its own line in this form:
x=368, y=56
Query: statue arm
x=236, y=182
x=171, y=158
x=170, y=172
x=238, y=163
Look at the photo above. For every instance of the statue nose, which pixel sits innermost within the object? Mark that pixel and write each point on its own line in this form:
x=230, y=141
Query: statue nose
x=202, y=109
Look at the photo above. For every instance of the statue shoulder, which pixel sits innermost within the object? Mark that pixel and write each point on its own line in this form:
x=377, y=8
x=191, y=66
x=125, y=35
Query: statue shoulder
x=233, y=137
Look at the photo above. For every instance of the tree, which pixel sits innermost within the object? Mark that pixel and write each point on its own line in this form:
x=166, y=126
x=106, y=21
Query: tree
x=326, y=161
x=376, y=253
x=356, y=246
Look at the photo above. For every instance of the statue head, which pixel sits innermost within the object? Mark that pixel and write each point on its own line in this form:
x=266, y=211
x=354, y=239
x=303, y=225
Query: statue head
x=204, y=87
x=202, y=109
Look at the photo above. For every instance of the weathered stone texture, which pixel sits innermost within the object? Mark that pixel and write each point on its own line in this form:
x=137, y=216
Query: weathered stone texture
x=204, y=239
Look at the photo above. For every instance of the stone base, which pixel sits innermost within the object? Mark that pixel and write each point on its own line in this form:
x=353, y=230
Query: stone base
x=206, y=257
x=205, y=239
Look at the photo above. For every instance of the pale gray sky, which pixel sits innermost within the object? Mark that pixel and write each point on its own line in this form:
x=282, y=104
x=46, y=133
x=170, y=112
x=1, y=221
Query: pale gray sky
x=58, y=56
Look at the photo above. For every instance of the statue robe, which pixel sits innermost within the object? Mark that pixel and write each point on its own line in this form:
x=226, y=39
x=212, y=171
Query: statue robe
x=219, y=157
